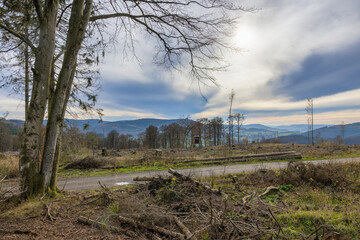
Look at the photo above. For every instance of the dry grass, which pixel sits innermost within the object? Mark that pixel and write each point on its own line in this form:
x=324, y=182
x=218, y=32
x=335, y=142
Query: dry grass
x=9, y=165
x=339, y=176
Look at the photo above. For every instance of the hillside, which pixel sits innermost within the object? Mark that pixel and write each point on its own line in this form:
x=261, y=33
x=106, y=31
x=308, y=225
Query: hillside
x=14, y=126
x=133, y=127
x=299, y=127
x=254, y=132
x=328, y=133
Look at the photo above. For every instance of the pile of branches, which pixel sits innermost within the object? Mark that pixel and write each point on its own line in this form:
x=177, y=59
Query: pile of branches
x=181, y=207
x=88, y=162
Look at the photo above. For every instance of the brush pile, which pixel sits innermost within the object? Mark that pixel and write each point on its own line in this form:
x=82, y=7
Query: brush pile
x=183, y=208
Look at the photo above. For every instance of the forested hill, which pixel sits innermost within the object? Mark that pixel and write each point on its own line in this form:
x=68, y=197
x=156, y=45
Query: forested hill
x=133, y=127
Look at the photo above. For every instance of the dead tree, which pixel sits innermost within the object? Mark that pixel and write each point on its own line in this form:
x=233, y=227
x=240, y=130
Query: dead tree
x=310, y=112
x=231, y=123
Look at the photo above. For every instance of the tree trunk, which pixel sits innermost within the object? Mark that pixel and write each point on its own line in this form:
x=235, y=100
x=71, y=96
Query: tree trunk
x=30, y=147
x=77, y=25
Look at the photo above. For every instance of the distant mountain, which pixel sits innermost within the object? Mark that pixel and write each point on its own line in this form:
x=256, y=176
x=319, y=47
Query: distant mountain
x=258, y=126
x=254, y=132
x=84, y=124
x=133, y=127
x=14, y=125
x=298, y=139
x=328, y=133
x=353, y=140
x=299, y=127
x=352, y=129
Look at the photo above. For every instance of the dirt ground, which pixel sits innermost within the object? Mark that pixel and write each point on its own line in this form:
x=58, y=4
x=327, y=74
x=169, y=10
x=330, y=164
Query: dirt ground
x=50, y=219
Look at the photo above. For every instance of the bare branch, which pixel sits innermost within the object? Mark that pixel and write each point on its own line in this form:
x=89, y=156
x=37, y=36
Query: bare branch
x=18, y=35
x=13, y=48
x=62, y=13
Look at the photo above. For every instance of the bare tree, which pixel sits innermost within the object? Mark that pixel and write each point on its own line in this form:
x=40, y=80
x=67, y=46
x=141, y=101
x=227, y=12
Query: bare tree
x=195, y=37
x=231, y=123
x=239, y=118
x=310, y=111
x=151, y=137
x=216, y=124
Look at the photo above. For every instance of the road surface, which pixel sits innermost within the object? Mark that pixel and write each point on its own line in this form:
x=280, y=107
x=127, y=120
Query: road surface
x=85, y=183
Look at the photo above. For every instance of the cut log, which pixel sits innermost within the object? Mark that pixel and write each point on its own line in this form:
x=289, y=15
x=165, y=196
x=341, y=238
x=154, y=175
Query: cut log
x=154, y=228
x=148, y=179
x=263, y=156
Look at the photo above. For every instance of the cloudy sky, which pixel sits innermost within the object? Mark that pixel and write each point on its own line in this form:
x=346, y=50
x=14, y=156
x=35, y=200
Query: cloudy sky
x=290, y=51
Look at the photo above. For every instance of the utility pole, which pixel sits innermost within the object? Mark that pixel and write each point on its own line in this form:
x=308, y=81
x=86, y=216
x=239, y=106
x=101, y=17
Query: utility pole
x=342, y=128
x=310, y=111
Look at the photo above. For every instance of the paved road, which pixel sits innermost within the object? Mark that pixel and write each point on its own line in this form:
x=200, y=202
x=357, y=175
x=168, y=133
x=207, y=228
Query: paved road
x=84, y=183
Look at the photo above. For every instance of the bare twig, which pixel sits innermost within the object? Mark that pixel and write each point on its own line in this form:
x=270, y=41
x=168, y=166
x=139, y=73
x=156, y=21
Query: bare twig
x=314, y=232
x=280, y=228
x=184, y=229
x=48, y=214
x=64, y=184
x=154, y=228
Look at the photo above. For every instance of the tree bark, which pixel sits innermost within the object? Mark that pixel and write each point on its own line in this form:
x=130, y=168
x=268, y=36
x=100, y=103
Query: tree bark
x=79, y=18
x=30, y=147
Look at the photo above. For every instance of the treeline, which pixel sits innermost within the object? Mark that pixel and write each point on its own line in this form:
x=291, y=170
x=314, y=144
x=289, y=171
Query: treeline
x=185, y=133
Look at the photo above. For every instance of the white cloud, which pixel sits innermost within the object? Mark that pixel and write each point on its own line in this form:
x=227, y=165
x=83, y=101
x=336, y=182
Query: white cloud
x=12, y=105
x=130, y=114
x=331, y=117
x=277, y=39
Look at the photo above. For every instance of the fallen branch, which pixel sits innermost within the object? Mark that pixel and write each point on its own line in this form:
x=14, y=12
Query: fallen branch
x=29, y=232
x=184, y=229
x=197, y=183
x=63, y=188
x=280, y=228
x=268, y=189
x=48, y=214
x=316, y=230
x=154, y=228
x=88, y=221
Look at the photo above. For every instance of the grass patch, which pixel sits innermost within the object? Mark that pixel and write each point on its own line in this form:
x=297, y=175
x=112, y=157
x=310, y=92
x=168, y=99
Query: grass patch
x=9, y=166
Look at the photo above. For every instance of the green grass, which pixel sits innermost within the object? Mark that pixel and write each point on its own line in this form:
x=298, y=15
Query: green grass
x=310, y=208
x=343, y=155
x=164, y=166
